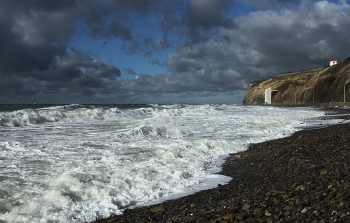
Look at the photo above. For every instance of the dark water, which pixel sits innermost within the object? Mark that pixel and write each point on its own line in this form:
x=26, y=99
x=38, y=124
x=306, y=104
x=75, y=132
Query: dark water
x=15, y=107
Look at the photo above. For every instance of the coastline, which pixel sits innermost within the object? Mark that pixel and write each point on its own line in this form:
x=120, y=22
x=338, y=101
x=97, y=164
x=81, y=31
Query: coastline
x=304, y=177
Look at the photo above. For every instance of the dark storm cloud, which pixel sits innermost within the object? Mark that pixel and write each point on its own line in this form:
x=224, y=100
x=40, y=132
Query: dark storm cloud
x=192, y=94
x=11, y=85
x=47, y=5
x=211, y=52
x=130, y=71
x=155, y=62
x=98, y=28
x=262, y=4
x=26, y=39
x=147, y=47
x=158, y=45
x=207, y=13
x=110, y=19
x=34, y=36
x=176, y=83
x=204, y=16
x=198, y=20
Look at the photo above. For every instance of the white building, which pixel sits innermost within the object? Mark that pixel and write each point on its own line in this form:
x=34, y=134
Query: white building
x=332, y=62
x=268, y=96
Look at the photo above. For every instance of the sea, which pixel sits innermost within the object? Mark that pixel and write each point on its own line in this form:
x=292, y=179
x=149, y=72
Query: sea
x=78, y=163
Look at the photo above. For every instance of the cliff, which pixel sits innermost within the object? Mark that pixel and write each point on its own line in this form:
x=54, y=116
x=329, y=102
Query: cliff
x=321, y=85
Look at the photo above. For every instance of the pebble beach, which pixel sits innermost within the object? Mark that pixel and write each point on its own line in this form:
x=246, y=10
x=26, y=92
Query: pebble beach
x=301, y=178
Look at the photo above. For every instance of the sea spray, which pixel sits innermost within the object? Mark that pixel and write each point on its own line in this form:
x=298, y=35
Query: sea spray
x=76, y=163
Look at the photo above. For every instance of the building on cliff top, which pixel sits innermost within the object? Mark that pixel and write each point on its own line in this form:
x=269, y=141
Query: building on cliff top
x=332, y=62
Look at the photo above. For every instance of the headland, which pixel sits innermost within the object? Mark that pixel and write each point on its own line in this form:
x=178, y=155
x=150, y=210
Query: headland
x=330, y=84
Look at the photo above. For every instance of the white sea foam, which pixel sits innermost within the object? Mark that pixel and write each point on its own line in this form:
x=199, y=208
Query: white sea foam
x=77, y=163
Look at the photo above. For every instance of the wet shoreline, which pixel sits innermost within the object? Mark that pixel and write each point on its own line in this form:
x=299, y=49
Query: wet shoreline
x=301, y=178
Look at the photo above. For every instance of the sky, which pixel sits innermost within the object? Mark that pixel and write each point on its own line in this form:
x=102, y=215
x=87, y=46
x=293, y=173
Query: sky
x=161, y=51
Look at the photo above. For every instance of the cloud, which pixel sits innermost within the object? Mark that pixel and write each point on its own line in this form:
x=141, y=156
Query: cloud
x=130, y=71
x=208, y=51
x=198, y=20
x=97, y=29
x=192, y=94
x=158, y=45
x=265, y=43
x=34, y=36
x=205, y=13
x=115, y=19
x=295, y=37
x=263, y=4
x=209, y=13
x=156, y=62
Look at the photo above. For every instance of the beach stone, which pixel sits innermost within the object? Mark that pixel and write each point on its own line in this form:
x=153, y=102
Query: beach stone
x=285, y=196
x=276, y=217
x=263, y=205
x=269, y=220
x=323, y=172
x=228, y=216
x=300, y=187
x=246, y=207
x=304, y=210
x=157, y=209
x=293, y=158
x=215, y=220
x=268, y=214
x=257, y=211
x=344, y=218
x=241, y=215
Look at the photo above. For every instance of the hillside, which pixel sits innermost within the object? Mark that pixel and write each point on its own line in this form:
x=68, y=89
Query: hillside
x=317, y=85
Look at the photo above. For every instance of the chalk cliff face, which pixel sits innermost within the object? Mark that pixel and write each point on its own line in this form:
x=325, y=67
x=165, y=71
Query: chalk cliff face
x=321, y=85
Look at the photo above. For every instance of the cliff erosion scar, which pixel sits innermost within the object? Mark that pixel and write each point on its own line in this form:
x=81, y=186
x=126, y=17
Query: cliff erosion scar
x=320, y=85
